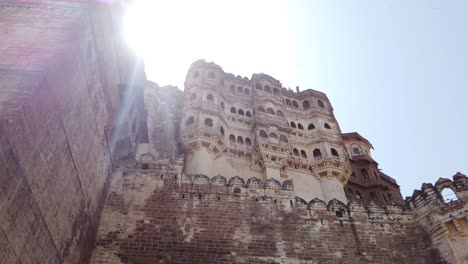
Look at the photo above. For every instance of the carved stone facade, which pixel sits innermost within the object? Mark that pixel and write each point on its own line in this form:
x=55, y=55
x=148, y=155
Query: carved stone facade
x=254, y=127
x=367, y=183
x=236, y=126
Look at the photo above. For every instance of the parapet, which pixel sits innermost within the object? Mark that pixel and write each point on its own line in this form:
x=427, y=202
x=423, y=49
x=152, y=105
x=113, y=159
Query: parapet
x=283, y=196
x=431, y=195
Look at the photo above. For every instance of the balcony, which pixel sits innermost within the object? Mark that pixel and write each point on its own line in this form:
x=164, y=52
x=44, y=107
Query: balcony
x=362, y=157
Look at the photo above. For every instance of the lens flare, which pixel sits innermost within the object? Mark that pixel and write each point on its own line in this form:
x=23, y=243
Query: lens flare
x=243, y=35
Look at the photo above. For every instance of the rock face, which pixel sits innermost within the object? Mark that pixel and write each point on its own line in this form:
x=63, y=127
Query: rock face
x=95, y=169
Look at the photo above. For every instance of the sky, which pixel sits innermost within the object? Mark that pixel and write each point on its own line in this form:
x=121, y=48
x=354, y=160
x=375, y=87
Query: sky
x=394, y=71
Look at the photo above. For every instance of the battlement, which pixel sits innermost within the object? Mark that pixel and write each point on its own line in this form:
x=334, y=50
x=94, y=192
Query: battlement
x=267, y=193
x=441, y=210
x=432, y=195
x=158, y=215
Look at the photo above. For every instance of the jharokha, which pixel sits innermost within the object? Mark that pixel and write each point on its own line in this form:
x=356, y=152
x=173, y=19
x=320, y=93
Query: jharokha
x=99, y=165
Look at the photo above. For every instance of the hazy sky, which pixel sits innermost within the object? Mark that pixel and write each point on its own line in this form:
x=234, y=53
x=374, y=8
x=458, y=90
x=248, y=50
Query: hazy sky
x=395, y=71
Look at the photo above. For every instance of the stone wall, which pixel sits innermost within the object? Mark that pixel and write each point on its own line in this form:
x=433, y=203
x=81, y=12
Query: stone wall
x=159, y=216
x=445, y=221
x=55, y=157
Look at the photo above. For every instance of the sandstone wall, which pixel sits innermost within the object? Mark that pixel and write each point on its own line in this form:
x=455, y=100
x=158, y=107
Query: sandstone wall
x=157, y=216
x=444, y=219
x=55, y=162
x=54, y=157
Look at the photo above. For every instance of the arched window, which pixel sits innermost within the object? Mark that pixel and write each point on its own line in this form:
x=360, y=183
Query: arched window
x=288, y=102
x=248, y=142
x=327, y=126
x=210, y=98
x=222, y=105
x=356, y=149
x=293, y=125
x=275, y=91
x=317, y=154
x=273, y=135
x=240, y=112
x=270, y=111
x=334, y=152
x=303, y=154
x=295, y=152
x=233, y=110
x=263, y=134
x=208, y=122
x=232, y=138
x=364, y=173
x=221, y=129
x=261, y=109
x=267, y=89
x=189, y=121
x=240, y=140
x=247, y=91
x=299, y=126
x=258, y=86
x=248, y=113
x=211, y=75
x=239, y=89
x=306, y=104
x=279, y=113
x=283, y=139
x=195, y=74
x=358, y=194
x=295, y=104
x=232, y=88
x=311, y=126
x=448, y=195
x=320, y=103
x=193, y=97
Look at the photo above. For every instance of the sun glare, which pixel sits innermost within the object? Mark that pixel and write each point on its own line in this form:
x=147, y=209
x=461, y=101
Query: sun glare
x=243, y=36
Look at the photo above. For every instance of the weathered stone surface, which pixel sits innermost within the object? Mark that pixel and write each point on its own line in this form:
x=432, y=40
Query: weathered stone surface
x=58, y=100
x=72, y=115
x=444, y=221
x=149, y=218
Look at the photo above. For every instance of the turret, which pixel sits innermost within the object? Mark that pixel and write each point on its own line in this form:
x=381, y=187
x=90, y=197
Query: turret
x=201, y=126
x=367, y=183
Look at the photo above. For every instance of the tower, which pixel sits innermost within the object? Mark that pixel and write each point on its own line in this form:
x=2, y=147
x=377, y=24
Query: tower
x=234, y=126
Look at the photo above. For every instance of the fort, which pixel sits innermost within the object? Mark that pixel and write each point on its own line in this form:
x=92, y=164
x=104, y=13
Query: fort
x=99, y=165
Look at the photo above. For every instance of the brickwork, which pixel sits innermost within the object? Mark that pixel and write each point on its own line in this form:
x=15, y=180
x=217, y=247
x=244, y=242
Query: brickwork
x=444, y=219
x=58, y=102
x=159, y=217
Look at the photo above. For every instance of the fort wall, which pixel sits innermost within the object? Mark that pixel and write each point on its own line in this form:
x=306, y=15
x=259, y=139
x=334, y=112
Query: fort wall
x=55, y=132
x=441, y=210
x=160, y=216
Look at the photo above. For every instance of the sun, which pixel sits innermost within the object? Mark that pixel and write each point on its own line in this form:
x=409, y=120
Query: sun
x=170, y=35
